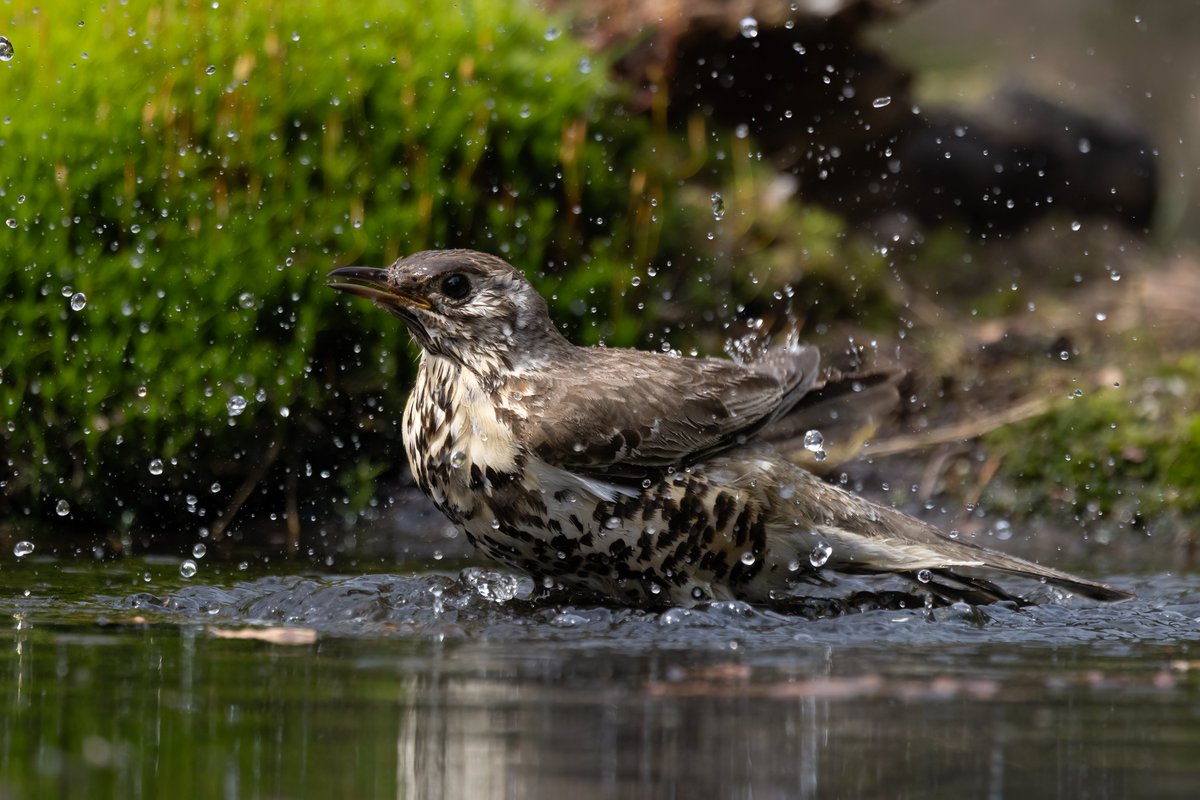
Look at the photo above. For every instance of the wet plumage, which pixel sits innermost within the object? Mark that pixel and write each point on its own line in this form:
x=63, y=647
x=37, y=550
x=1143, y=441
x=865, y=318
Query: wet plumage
x=640, y=477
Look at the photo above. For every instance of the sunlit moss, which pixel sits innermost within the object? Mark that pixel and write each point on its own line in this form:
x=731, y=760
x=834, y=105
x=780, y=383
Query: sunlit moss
x=1125, y=453
x=194, y=170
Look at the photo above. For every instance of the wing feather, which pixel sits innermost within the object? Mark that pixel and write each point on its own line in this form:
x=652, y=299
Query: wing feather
x=627, y=413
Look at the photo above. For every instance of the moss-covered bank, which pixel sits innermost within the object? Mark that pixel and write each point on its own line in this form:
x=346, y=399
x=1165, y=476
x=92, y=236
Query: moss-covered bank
x=177, y=179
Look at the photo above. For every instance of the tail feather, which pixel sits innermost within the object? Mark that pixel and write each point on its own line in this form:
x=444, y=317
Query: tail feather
x=1064, y=580
x=951, y=559
x=858, y=536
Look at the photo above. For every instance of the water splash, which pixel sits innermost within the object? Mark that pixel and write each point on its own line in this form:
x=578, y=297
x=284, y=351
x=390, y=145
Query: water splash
x=814, y=442
x=718, y=206
x=820, y=554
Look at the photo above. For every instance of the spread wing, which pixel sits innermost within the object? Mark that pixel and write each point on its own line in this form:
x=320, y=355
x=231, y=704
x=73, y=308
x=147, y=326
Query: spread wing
x=626, y=413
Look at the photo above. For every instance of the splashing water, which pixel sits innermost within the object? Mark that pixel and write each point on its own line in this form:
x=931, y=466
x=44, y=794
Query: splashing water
x=718, y=206
x=814, y=443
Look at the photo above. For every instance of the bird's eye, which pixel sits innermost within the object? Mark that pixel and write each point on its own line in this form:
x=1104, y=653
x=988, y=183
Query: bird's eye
x=456, y=286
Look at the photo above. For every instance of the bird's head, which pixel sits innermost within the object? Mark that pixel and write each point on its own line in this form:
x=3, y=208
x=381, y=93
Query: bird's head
x=470, y=307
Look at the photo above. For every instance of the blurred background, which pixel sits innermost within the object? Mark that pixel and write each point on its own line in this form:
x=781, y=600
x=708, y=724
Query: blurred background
x=997, y=197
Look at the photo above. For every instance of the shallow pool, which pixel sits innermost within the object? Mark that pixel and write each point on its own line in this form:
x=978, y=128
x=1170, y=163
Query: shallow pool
x=124, y=679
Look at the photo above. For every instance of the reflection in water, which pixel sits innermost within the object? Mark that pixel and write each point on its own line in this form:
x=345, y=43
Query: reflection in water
x=484, y=736
x=140, y=695
x=846, y=725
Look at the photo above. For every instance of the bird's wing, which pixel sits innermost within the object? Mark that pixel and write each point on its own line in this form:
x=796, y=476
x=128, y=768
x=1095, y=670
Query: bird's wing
x=627, y=413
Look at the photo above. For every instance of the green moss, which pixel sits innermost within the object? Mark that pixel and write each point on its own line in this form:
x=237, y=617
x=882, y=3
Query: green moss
x=1127, y=453
x=194, y=171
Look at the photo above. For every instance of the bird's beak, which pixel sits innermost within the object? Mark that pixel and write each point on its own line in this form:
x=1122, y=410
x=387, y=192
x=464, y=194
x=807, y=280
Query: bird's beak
x=372, y=283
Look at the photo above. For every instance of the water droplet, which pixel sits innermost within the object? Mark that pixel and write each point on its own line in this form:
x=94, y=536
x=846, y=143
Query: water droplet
x=498, y=587
x=655, y=588
x=236, y=405
x=141, y=391
x=1076, y=225
x=62, y=508
x=612, y=522
x=1085, y=146
x=718, y=205
x=457, y=459
x=924, y=576
x=881, y=102
x=585, y=65
x=552, y=33
x=1101, y=316
x=794, y=565
x=246, y=300
x=11, y=222
x=820, y=554
x=697, y=593
x=495, y=524
x=156, y=467
x=748, y=558
x=814, y=443
x=188, y=568
x=6, y=49
x=742, y=130
x=78, y=301
x=749, y=27
x=525, y=111
x=199, y=550
x=1064, y=355
x=22, y=548
x=210, y=70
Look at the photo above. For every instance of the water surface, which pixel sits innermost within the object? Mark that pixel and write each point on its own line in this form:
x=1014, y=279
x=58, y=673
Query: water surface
x=124, y=679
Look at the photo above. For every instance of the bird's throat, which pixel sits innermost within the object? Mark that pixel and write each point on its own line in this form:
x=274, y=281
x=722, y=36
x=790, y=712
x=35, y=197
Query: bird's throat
x=459, y=448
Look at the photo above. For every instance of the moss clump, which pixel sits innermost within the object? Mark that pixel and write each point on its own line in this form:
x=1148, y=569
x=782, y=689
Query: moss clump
x=1126, y=453
x=191, y=171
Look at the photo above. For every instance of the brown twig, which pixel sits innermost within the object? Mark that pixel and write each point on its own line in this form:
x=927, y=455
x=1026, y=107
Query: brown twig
x=933, y=471
x=963, y=431
x=986, y=473
x=246, y=489
x=292, y=514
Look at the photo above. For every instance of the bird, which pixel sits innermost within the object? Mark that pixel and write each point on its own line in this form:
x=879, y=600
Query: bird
x=642, y=479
